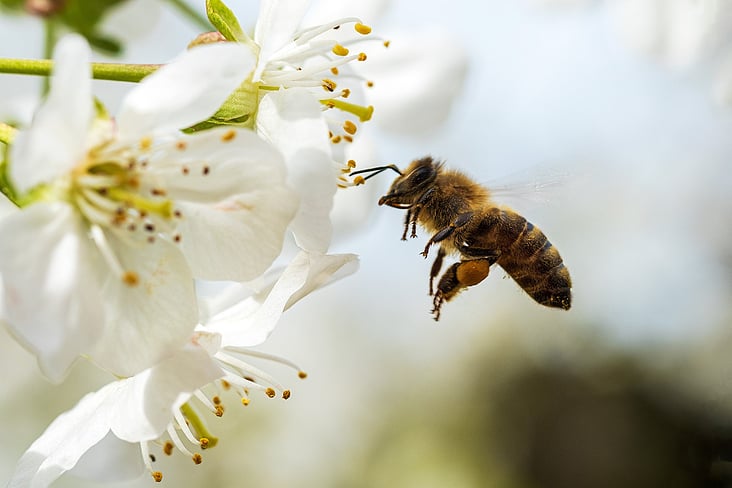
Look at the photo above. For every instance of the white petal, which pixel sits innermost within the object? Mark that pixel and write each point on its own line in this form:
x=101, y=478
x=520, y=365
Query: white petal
x=245, y=325
x=186, y=91
x=145, y=403
x=429, y=88
x=328, y=10
x=67, y=438
x=52, y=301
x=292, y=120
x=276, y=24
x=110, y=460
x=148, y=321
x=56, y=139
x=235, y=213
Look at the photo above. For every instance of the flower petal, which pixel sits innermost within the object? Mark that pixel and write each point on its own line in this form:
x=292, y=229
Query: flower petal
x=63, y=443
x=56, y=139
x=292, y=121
x=52, y=301
x=276, y=24
x=188, y=90
x=233, y=200
x=144, y=406
x=246, y=324
x=147, y=321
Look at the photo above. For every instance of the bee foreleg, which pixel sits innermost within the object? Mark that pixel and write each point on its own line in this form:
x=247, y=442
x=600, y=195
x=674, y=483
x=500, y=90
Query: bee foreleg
x=436, y=267
x=407, y=221
x=458, y=277
x=460, y=221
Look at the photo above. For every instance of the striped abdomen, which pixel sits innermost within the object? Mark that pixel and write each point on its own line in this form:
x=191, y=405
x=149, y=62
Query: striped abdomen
x=529, y=258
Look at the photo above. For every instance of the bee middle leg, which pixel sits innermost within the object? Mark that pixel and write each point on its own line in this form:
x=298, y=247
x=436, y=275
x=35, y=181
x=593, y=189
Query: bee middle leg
x=458, y=277
x=459, y=221
x=436, y=267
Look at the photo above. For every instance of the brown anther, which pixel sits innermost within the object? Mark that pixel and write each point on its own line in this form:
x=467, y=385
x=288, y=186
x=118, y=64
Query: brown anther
x=359, y=180
x=158, y=192
x=203, y=442
x=362, y=56
x=168, y=448
x=229, y=135
x=216, y=400
x=348, y=138
x=302, y=375
x=130, y=278
x=329, y=85
x=150, y=227
x=346, y=92
x=362, y=29
x=349, y=127
x=335, y=139
x=177, y=214
x=152, y=457
x=181, y=145
x=336, y=27
x=132, y=227
x=225, y=385
x=334, y=70
x=197, y=458
x=219, y=411
x=369, y=83
x=330, y=104
x=206, y=170
x=286, y=394
x=270, y=392
x=157, y=476
x=150, y=239
x=177, y=238
x=351, y=164
x=185, y=170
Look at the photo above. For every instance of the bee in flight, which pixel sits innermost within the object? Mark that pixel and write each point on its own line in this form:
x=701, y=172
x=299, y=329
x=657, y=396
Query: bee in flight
x=464, y=221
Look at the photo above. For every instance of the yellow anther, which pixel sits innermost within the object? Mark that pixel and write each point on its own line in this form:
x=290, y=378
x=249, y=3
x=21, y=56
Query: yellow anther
x=329, y=85
x=245, y=401
x=387, y=43
x=334, y=70
x=340, y=50
x=225, y=384
x=345, y=93
x=359, y=180
x=362, y=29
x=216, y=400
x=157, y=476
x=351, y=164
x=203, y=442
x=270, y=392
x=130, y=278
x=349, y=127
x=335, y=139
x=145, y=143
x=229, y=135
x=219, y=411
x=369, y=83
x=197, y=458
x=362, y=56
x=348, y=138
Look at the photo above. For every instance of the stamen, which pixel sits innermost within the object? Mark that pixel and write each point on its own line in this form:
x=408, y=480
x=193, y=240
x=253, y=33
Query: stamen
x=183, y=426
x=329, y=85
x=307, y=34
x=339, y=50
x=362, y=29
x=177, y=442
x=362, y=56
x=247, y=370
x=349, y=127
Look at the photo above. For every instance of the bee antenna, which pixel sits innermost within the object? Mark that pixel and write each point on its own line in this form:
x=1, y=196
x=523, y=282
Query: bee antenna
x=375, y=170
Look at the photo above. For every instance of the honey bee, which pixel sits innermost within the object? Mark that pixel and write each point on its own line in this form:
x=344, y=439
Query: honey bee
x=464, y=221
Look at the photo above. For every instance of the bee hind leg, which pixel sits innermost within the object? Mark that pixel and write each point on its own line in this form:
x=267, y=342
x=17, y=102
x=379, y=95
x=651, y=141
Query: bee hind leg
x=458, y=277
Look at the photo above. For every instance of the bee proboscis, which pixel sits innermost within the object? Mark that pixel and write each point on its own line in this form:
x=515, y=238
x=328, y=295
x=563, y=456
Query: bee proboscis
x=464, y=220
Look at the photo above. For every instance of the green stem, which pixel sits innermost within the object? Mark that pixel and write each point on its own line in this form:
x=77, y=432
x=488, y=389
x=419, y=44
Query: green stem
x=49, y=40
x=192, y=14
x=100, y=71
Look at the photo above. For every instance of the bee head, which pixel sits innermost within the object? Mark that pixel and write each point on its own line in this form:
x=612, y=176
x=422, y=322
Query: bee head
x=411, y=183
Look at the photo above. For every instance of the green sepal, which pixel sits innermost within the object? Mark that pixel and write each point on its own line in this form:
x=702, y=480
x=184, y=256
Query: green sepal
x=224, y=20
x=239, y=110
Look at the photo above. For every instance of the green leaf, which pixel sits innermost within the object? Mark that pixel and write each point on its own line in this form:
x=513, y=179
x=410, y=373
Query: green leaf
x=224, y=20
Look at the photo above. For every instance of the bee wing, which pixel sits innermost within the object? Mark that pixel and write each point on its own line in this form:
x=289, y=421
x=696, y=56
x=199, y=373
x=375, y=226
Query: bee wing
x=531, y=187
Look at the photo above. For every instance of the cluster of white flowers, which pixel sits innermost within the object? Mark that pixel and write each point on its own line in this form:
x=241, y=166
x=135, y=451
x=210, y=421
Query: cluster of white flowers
x=118, y=222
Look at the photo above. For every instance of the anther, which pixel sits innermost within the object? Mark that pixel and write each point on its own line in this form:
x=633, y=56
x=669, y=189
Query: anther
x=228, y=135
x=203, y=443
x=216, y=400
x=157, y=476
x=185, y=170
x=286, y=394
x=225, y=385
x=339, y=50
x=168, y=448
x=270, y=392
x=348, y=138
x=176, y=238
x=362, y=29
x=206, y=170
x=219, y=411
x=149, y=227
x=245, y=401
x=351, y=164
x=130, y=278
x=329, y=85
x=152, y=458
x=387, y=43
x=345, y=93
x=145, y=143
x=369, y=83
x=349, y=127
x=362, y=56
x=334, y=70
x=197, y=458
x=158, y=192
x=335, y=139
x=359, y=180
x=181, y=145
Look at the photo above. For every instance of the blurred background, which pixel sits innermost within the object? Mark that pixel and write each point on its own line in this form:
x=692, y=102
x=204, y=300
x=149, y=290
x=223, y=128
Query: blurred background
x=625, y=103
